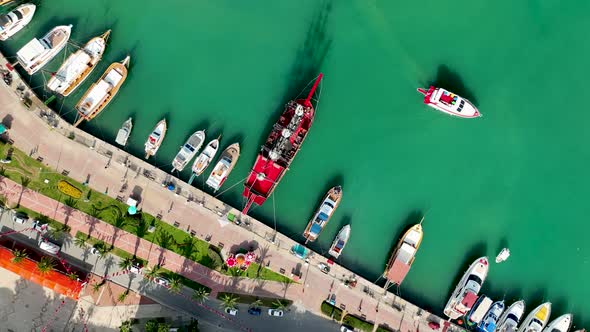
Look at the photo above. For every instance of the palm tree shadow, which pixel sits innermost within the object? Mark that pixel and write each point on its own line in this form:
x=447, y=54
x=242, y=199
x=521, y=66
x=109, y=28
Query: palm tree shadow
x=450, y=80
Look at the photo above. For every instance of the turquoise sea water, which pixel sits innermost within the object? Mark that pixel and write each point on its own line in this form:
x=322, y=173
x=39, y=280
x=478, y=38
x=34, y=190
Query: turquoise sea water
x=516, y=177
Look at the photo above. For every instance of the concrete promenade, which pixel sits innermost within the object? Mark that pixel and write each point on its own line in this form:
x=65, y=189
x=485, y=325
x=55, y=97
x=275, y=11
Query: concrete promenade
x=42, y=134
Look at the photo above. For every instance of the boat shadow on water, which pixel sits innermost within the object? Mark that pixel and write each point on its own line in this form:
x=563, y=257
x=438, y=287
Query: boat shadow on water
x=451, y=81
x=308, y=61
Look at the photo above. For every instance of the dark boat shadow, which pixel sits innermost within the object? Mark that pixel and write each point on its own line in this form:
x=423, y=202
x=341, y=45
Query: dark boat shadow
x=450, y=80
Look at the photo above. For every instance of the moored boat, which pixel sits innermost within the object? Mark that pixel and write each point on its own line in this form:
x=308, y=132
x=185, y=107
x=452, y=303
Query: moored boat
x=478, y=310
x=448, y=102
x=279, y=150
x=15, y=20
x=78, y=66
x=560, y=324
x=188, y=150
x=155, y=139
x=403, y=256
x=100, y=94
x=124, y=132
x=5, y=2
x=509, y=320
x=489, y=321
x=323, y=214
x=465, y=294
x=339, y=242
x=38, y=52
x=536, y=319
x=227, y=161
x=204, y=159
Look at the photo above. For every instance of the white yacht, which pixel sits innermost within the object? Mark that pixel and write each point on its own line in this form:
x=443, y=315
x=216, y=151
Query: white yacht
x=490, y=320
x=14, y=21
x=227, y=161
x=155, y=139
x=188, y=150
x=509, y=320
x=537, y=319
x=78, y=66
x=465, y=294
x=38, y=52
x=339, y=242
x=124, y=132
x=203, y=160
x=560, y=324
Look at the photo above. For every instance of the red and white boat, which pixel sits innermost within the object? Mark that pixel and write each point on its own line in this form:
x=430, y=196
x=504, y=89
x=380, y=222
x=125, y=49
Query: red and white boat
x=448, y=102
x=281, y=146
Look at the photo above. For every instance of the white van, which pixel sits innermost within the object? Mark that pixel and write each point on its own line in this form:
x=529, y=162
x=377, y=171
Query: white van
x=49, y=246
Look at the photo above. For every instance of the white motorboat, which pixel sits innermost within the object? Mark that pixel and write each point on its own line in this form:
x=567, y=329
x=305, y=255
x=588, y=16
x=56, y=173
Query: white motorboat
x=448, y=102
x=503, y=255
x=227, y=161
x=100, y=94
x=560, y=324
x=16, y=20
x=155, y=139
x=340, y=242
x=509, y=320
x=537, y=319
x=124, y=132
x=323, y=214
x=465, y=294
x=489, y=321
x=38, y=52
x=188, y=150
x=204, y=159
x=78, y=66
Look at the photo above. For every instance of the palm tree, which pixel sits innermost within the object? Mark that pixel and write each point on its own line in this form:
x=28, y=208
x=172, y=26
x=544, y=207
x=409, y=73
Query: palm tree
x=188, y=246
x=256, y=304
x=175, y=283
x=80, y=242
x=73, y=276
x=154, y=272
x=123, y=296
x=229, y=301
x=125, y=326
x=164, y=239
x=141, y=228
x=201, y=294
x=45, y=265
x=71, y=203
x=24, y=181
x=19, y=256
x=279, y=304
x=126, y=263
x=96, y=286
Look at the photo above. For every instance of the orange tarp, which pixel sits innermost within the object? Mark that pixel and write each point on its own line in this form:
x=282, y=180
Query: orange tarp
x=53, y=280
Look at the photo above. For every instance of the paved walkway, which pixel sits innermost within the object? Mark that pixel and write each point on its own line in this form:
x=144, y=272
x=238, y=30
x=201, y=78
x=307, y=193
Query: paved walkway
x=108, y=168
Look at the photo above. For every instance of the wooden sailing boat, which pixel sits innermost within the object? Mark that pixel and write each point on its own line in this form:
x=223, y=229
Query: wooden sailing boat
x=323, y=214
x=227, y=161
x=78, y=66
x=403, y=256
x=103, y=91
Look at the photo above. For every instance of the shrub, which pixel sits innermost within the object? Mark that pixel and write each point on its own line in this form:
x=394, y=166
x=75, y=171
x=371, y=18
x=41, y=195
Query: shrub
x=358, y=323
x=68, y=189
x=331, y=311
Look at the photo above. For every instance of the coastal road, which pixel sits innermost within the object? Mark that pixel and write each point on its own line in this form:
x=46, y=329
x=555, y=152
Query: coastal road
x=209, y=314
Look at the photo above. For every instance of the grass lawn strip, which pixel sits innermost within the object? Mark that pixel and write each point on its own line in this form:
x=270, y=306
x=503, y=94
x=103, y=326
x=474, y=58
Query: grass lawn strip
x=358, y=323
x=331, y=311
x=32, y=174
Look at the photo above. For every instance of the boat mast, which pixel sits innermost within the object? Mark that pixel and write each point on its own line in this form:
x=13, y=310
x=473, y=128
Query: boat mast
x=313, y=88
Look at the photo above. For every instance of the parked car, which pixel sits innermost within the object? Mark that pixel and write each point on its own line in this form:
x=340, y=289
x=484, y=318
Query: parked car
x=255, y=311
x=324, y=267
x=95, y=251
x=162, y=281
x=332, y=299
x=49, y=246
x=38, y=226
x=345, y=328
x=231, y=311
x=275, y=312
x=20, y=218
x=136, y=267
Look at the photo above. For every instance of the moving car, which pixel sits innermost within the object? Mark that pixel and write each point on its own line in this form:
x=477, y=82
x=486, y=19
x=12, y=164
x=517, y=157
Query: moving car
x=48, y=246
x=95, y=251
x=162, y=281
x=231, y=311
x=345, y=328
x=136, y=267
x=275, y=312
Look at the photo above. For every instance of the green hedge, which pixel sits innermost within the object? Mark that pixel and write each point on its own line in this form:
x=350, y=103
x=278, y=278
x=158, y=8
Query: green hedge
x=358, y=323
x=382, y=328
x=331, y=311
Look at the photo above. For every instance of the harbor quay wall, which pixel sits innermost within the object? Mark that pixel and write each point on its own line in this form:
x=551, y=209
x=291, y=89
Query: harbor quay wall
x=139, y=171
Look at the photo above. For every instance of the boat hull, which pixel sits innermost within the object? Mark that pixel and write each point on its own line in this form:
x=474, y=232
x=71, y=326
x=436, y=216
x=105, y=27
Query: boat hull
x=539, y=314
x=154, y=141
x=511, y=317
x=223, y=168
x=204, y=159
x=398, y=266
x=188, y=151
x=323, y=214
x=32, y=58
x=455, y=105
x=455, y=307
x=124, y=132
x=340, y=242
